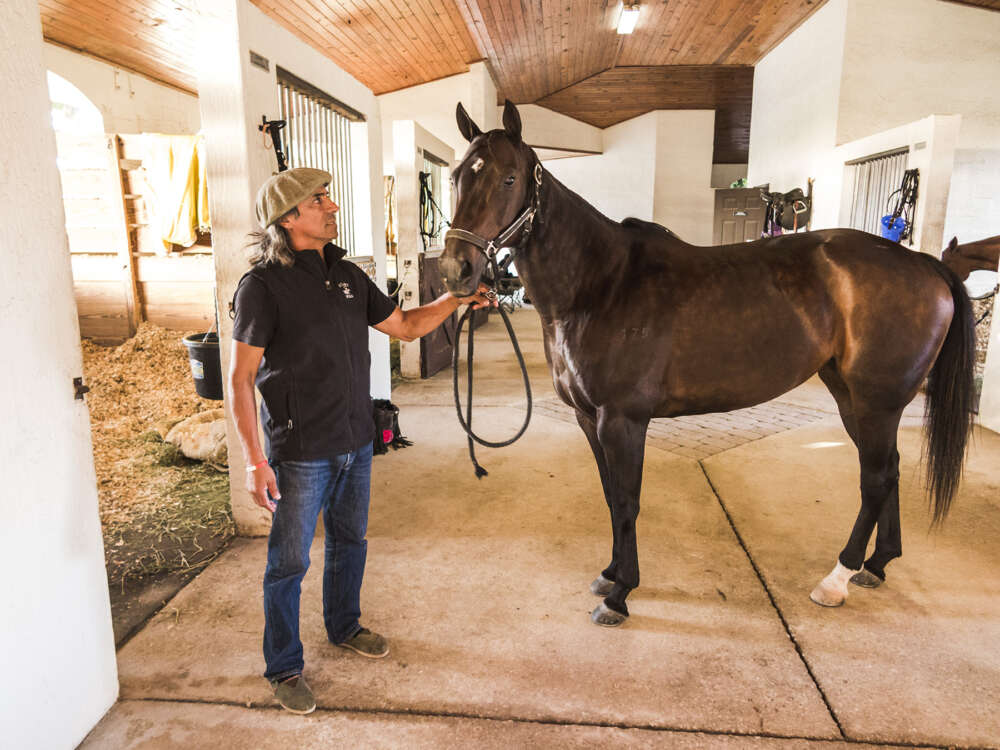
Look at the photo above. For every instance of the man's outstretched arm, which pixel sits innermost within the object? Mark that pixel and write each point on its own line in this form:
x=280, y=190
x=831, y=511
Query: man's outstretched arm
x=408, y=325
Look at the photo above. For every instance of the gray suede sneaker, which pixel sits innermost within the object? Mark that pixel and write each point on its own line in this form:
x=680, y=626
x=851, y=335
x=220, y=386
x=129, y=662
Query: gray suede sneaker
x=367, y=643
x=294, y=695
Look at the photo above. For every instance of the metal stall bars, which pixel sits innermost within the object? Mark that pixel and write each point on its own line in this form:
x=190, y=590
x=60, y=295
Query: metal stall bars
x=318, y=135
x=874, y=178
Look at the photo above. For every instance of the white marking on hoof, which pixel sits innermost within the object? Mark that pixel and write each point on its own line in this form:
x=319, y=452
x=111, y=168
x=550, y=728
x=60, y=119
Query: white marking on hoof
x=606, y=617
x=832, y=590
x=866, y=579
x=601, y=586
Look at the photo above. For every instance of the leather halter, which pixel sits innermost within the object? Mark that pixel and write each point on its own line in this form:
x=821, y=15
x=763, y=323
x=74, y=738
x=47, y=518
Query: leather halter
x=490, y=248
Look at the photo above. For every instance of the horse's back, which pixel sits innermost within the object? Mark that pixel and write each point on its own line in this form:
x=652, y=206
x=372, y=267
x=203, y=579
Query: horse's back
x=795, y=302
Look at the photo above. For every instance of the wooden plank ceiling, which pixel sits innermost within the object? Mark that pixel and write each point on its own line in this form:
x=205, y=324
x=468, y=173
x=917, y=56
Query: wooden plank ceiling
x=728, y=89
x=562, y=54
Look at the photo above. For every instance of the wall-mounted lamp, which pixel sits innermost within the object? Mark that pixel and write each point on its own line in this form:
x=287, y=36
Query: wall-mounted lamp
x=628, y=17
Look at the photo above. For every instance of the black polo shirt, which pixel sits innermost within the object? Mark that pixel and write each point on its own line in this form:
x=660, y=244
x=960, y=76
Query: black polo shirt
x=312, y=320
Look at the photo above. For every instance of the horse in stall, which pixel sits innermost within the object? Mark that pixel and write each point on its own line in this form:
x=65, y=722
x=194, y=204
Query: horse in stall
x=982, y=255
x=638, y=324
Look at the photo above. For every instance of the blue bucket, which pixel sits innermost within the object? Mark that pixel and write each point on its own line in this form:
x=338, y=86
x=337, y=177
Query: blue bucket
x=892, y=232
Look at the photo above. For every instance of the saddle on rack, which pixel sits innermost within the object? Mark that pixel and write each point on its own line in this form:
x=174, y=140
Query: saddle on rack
x=791, y=211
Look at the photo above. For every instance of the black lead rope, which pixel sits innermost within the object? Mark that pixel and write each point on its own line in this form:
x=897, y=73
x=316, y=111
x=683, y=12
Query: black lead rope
x=466, y=422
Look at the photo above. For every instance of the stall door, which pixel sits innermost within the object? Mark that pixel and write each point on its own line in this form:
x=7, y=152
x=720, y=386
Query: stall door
x=739, y=216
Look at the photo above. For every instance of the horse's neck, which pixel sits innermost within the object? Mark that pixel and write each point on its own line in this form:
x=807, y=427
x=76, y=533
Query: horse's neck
x=571, y=248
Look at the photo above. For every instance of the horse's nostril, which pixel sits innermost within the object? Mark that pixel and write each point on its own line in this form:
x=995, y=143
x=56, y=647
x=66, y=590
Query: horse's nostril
x=466, y=269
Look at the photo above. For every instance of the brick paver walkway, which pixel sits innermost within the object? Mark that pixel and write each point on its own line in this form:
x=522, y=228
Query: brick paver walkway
x=705, y=435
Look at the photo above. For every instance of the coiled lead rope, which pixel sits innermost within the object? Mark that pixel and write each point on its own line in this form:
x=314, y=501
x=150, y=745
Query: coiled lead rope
x=466, y=422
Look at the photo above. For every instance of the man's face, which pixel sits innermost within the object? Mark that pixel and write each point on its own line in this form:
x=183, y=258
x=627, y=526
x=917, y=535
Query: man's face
x=316, y=222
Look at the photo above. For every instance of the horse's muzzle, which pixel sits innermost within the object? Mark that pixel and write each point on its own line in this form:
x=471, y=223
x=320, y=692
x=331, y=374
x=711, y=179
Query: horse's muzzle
x=458, y=274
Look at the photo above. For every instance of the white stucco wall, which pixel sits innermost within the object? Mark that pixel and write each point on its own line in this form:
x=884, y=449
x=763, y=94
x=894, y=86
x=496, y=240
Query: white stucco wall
x=129, y=102
x=545, y=129
x=865, y=85
x=58, y=653
x=974, y=199
x=683, y=199
x=906, y=59
x=724, y=175
x=234, y=96
x=656, y=167
x=796, y=89
x=945, y=59
x=619, y=182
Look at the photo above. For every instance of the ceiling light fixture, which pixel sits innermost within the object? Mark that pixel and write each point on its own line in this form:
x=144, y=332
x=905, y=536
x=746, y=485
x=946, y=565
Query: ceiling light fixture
x=627, y=18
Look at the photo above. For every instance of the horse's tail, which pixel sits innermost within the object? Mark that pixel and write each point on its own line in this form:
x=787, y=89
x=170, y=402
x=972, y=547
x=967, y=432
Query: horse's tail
x=949, y=407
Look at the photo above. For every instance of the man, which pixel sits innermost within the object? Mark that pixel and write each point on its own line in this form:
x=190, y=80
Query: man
x=301, y=333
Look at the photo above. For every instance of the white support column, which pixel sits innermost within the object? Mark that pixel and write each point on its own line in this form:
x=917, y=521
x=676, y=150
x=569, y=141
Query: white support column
x=58, y=657
x=237, y=164
x=482, y=104
x=404, y=140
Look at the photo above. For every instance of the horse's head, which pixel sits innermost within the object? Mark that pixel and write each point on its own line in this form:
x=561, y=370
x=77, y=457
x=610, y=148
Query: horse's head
x=493, y=185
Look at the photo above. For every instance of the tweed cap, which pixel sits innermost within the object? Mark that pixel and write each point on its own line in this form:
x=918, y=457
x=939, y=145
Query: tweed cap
x=285, y=190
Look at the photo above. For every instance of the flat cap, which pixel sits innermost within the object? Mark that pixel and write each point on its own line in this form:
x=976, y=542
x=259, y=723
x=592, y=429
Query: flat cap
x=285, y=190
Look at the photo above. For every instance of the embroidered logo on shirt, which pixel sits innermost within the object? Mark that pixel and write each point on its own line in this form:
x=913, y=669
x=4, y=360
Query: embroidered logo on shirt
x=346, y=289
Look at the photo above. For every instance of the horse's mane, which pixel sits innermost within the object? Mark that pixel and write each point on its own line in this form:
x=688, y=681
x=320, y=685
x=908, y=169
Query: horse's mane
x=633, y=223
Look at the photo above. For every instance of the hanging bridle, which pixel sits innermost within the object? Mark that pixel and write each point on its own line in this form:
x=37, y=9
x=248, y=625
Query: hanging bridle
x=490, y=248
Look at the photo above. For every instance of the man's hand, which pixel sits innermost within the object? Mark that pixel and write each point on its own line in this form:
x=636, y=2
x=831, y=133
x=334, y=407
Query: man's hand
x=483, y=297
x=260, y=482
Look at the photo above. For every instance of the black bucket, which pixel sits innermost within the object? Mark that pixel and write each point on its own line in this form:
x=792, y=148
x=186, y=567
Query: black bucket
x=203, y=354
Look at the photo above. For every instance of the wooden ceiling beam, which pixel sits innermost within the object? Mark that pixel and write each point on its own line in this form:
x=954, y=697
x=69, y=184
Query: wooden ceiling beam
x=620, y=94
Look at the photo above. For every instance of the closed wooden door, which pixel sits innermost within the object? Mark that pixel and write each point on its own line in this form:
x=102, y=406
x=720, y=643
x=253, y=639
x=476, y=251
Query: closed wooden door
x=436, y=347
x=739, y=216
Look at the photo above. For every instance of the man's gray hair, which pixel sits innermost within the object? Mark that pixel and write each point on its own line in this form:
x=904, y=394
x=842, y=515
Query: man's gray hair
x=271, y=245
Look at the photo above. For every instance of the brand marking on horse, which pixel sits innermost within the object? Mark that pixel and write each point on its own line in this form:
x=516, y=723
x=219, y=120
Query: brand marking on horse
x=477, y=165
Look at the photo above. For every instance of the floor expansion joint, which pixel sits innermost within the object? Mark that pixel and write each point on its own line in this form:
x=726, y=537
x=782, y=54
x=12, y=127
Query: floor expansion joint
x=774, y=604
x=418, y=714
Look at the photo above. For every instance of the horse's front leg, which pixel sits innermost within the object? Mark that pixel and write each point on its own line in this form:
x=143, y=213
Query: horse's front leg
x=602, y=585
x=623, y=441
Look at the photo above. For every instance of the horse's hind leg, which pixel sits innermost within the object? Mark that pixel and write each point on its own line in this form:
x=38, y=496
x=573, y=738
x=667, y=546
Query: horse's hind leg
x=888, y=539
x=602, y=585
x=876, y=440
x=623, y=443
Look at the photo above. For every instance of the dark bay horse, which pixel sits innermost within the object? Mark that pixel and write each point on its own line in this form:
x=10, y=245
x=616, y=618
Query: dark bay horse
x=638, y=324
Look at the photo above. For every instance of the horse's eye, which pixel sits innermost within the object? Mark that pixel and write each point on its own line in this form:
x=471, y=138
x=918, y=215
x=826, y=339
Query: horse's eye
x=509, y=181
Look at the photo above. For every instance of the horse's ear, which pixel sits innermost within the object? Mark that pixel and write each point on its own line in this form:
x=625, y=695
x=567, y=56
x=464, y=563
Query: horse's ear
x=953, y=244
x=511, y=120
x=466, y=126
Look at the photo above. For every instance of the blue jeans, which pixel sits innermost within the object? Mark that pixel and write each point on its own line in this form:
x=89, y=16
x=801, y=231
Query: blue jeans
x=339, y=488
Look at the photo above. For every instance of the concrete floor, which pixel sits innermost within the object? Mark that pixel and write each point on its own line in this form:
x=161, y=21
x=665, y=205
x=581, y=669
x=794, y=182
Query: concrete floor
x=481, y=588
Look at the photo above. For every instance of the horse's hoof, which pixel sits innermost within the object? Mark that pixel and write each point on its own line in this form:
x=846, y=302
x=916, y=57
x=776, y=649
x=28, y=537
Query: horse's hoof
x=825, y=597
x=866, y=579
x=601, y=587
x=832, y=590
x=606, y=617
